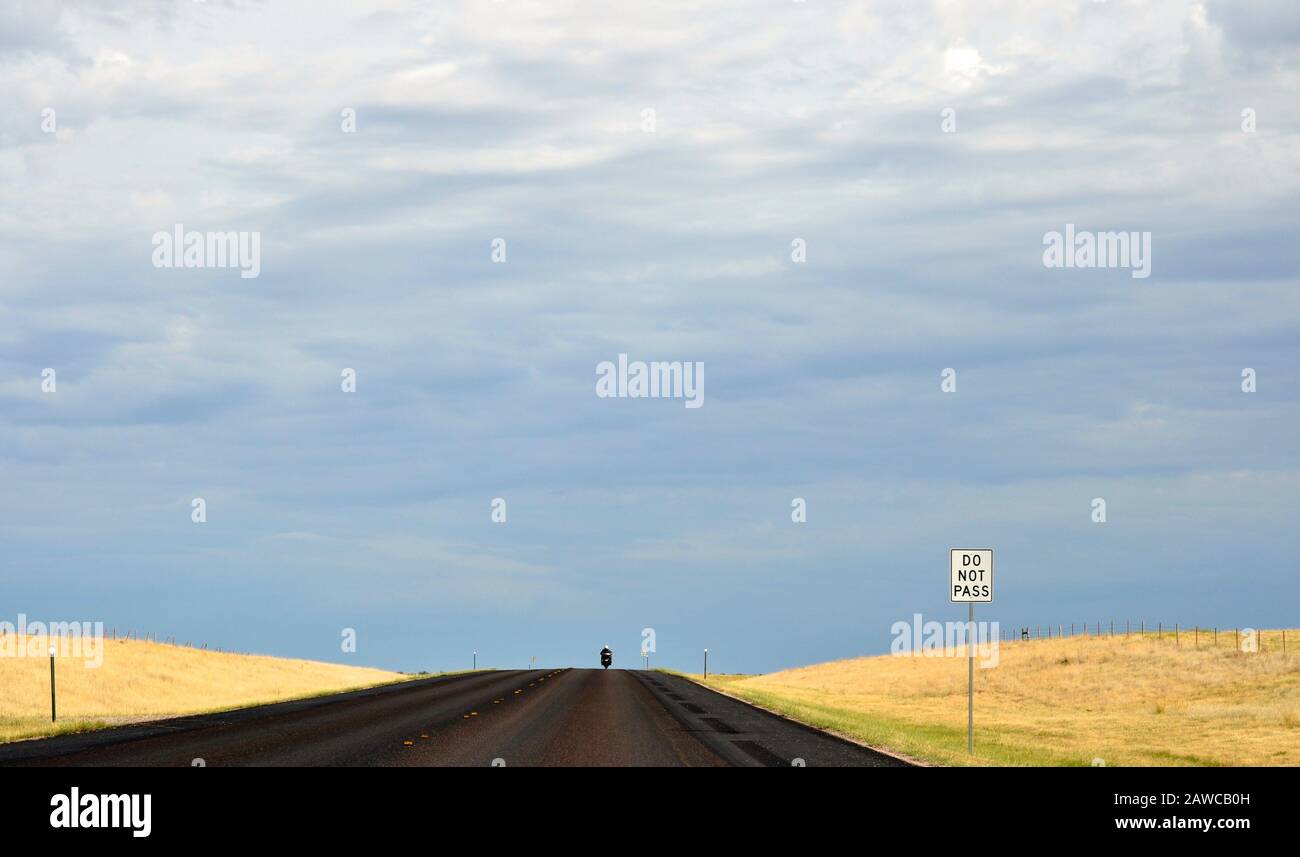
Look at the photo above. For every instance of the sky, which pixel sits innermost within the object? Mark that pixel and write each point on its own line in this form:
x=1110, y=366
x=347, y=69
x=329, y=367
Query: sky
x=827, y=203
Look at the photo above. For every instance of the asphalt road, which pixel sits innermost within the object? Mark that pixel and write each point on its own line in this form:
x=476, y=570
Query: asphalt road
x=513, y=718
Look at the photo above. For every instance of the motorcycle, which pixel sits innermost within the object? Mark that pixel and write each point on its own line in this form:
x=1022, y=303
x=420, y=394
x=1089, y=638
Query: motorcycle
x=606, y=657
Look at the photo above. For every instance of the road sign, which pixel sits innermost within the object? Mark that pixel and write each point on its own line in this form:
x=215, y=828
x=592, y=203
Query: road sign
x=970, y=581
x=971, y=575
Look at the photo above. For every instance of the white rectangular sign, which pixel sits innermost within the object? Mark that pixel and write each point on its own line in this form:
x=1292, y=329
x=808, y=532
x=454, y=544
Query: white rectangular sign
x=971, y=575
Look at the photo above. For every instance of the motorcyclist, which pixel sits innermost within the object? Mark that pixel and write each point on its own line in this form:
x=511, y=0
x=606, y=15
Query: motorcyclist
x=606, y=657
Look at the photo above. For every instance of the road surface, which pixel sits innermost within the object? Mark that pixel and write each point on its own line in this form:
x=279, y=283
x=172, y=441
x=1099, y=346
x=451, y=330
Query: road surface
x=513, y=718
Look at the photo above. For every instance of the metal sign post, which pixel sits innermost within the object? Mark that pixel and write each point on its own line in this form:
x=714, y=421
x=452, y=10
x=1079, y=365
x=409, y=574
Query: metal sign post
x=970, y=580
x=970, y=681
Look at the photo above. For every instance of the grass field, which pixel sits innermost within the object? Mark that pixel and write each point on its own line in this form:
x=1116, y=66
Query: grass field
x=143, y=681
x=1126, y=701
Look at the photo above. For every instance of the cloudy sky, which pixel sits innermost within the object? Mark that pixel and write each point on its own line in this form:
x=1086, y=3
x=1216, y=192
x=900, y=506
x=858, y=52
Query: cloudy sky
x=667, y=236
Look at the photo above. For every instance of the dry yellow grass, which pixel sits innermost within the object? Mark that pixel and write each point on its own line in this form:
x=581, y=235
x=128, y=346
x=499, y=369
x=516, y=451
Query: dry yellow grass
x=1134, y=701
x=143, y=681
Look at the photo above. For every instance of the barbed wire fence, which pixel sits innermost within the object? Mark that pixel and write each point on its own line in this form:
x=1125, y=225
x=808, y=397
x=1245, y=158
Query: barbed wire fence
x=1194, y=636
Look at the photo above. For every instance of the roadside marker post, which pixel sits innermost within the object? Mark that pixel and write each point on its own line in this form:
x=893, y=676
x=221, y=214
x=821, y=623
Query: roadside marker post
x=970, y=581
x=476, y=660
x=706, y=663
x=52, y=711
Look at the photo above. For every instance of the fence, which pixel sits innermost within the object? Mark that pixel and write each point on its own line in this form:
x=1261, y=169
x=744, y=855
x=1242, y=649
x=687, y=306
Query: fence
x=1196, y=636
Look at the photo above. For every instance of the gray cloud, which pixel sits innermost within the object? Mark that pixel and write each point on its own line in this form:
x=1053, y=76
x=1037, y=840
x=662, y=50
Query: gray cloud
x=476, y=380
